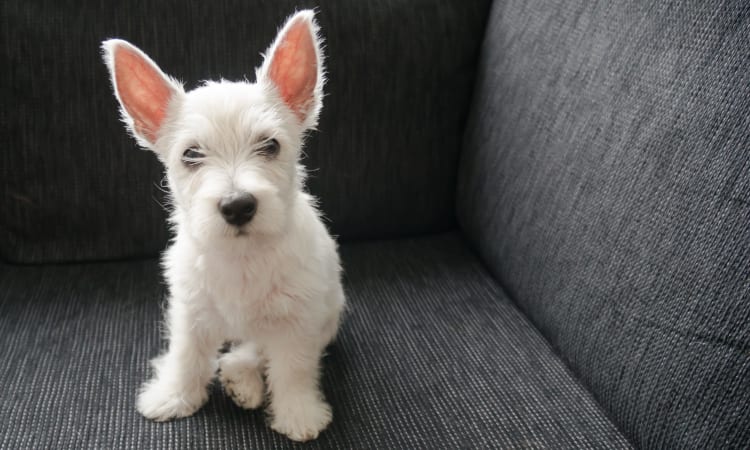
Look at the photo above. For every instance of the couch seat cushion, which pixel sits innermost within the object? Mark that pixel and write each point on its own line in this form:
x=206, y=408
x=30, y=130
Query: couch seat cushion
x=432, y=354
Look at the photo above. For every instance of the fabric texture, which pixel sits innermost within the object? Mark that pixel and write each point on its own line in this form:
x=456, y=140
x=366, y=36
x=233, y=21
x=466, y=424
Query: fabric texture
x=75, y=187
x=431, y=355
x=605, y=182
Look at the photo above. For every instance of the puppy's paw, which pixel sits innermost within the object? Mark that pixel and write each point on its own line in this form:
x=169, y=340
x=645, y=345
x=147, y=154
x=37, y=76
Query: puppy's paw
x=160, y=401
x=301, y=420
x=242, y=383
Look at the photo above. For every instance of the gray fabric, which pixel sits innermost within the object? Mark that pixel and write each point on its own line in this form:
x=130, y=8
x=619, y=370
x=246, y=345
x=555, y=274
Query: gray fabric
x=431, y=355
x=606, y=183
x=74, y=187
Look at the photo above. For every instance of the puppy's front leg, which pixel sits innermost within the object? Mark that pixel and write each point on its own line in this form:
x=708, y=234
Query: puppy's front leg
x=182, y=374
x=297, y=404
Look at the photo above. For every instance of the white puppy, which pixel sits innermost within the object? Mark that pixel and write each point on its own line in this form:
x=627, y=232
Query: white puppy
x=251, y=262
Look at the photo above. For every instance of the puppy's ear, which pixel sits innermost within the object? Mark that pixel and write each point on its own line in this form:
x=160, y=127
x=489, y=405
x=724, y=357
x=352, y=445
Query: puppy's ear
x=143, y=90
x=293, y=65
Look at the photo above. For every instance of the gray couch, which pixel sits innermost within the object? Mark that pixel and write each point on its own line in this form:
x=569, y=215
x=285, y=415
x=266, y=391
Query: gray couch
x=543, y=210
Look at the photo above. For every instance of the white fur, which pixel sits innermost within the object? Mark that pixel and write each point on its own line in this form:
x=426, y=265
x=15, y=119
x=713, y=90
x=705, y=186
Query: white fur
x=273, y=287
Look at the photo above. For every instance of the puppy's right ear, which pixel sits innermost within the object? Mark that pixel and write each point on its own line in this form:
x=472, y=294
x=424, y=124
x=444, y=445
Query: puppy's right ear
x=145, y=93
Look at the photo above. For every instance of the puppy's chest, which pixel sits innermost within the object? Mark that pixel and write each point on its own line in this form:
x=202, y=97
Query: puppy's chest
x=248, y=292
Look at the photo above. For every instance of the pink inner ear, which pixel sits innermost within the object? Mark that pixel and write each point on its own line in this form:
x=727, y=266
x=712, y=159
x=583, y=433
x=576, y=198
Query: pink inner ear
x=294, y=68
x=143, y=91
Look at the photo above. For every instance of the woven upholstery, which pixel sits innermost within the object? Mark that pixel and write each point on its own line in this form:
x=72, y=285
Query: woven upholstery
x=606, y=183
x=604, y=187
x=431, y=355
x=75, y=187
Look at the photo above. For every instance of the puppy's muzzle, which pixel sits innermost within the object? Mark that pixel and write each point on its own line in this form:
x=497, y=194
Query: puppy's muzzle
x=238, y=208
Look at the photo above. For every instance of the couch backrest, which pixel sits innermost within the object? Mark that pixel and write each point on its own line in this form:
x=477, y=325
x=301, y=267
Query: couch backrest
x=605, y=181
x=74, y=187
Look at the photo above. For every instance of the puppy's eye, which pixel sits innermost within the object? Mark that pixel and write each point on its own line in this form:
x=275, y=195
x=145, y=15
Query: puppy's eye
x=192, y=157
x=269, y=149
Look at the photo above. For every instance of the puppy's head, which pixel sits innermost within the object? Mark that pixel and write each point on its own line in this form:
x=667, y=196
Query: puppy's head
x=231, y=150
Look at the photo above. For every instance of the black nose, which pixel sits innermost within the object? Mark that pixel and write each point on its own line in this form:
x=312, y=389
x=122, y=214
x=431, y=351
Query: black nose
x=238, y=208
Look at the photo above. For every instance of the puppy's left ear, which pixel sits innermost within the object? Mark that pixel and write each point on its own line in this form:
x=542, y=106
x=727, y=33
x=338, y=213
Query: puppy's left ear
x=293, y=65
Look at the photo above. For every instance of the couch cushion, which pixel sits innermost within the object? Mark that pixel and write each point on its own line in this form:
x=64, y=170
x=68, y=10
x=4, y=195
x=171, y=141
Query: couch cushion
x=606, y=183
x=431, y=355
x=74, y=186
